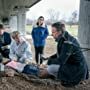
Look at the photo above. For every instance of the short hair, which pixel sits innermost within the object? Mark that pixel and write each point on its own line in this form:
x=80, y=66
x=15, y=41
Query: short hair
x=41, y=17
x=1, y=26
x=59, y=26
x=15, y=34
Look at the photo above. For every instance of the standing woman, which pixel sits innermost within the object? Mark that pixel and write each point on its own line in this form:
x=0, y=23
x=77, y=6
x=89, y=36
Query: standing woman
x=39, y=35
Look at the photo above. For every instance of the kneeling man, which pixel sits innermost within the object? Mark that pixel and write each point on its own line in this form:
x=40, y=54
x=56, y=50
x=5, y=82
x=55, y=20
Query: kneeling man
x=68, y=65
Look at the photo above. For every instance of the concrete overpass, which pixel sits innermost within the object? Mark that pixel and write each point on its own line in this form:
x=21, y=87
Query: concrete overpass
x=13, y=13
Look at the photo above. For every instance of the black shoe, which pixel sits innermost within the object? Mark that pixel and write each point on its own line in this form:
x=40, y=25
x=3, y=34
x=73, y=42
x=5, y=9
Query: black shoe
x=43, y=58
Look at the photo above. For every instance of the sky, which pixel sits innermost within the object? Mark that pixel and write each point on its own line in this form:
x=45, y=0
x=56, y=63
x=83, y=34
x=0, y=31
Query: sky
x=65, y=7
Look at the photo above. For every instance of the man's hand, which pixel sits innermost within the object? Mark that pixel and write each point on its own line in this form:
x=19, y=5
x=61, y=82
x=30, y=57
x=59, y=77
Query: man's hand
x=42, y=66
x=14, y=59
x=27, y=61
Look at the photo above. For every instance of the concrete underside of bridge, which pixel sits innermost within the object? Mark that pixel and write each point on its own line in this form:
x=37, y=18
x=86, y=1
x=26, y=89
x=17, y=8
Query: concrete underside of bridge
x=13, y=13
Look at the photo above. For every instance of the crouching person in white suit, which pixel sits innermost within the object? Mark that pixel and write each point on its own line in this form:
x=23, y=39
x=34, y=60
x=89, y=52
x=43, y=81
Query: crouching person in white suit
x=20, y=49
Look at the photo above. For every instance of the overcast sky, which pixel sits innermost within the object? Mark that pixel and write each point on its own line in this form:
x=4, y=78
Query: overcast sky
x=65, y=7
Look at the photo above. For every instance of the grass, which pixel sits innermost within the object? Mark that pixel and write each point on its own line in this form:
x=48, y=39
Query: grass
x=72, y=30
x=28, y=29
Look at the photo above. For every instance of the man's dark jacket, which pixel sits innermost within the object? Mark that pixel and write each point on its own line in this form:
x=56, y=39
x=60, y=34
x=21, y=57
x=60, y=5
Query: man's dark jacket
x=73, y=67
x=7, y=39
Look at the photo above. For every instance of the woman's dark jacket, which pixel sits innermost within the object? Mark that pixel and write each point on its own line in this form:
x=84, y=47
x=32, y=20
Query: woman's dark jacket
x=39, y=35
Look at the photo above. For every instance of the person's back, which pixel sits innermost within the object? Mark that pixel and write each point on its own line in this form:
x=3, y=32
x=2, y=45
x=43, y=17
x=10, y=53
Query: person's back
x=5, y=41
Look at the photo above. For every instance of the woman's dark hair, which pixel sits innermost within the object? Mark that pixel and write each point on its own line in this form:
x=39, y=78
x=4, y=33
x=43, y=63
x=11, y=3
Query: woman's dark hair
x=1, y=26
x=59, y=26
x=40, y=18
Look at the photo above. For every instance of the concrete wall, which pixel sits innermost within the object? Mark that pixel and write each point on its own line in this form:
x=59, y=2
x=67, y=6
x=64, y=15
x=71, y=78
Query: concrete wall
x=84, y=27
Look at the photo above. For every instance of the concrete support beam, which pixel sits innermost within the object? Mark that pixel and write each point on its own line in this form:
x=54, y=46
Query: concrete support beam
x=13, y=23
x=84, y=27
x=21, y=22
x=0, y=22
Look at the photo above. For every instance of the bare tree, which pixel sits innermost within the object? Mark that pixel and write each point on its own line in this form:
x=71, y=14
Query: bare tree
x=53, y=15
x=73, y=18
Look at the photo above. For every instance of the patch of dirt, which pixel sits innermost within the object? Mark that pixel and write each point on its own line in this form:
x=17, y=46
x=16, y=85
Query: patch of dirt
x=23, y=82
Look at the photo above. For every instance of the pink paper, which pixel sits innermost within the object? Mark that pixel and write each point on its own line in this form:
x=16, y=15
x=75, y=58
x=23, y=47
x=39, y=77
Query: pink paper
x=16, y=65
x=12, y=64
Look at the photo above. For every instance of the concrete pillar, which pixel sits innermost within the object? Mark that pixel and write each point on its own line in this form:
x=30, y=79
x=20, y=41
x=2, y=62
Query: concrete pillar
x=21, y=21
x=0, y=22
x=84, y=27
x=13, y=23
